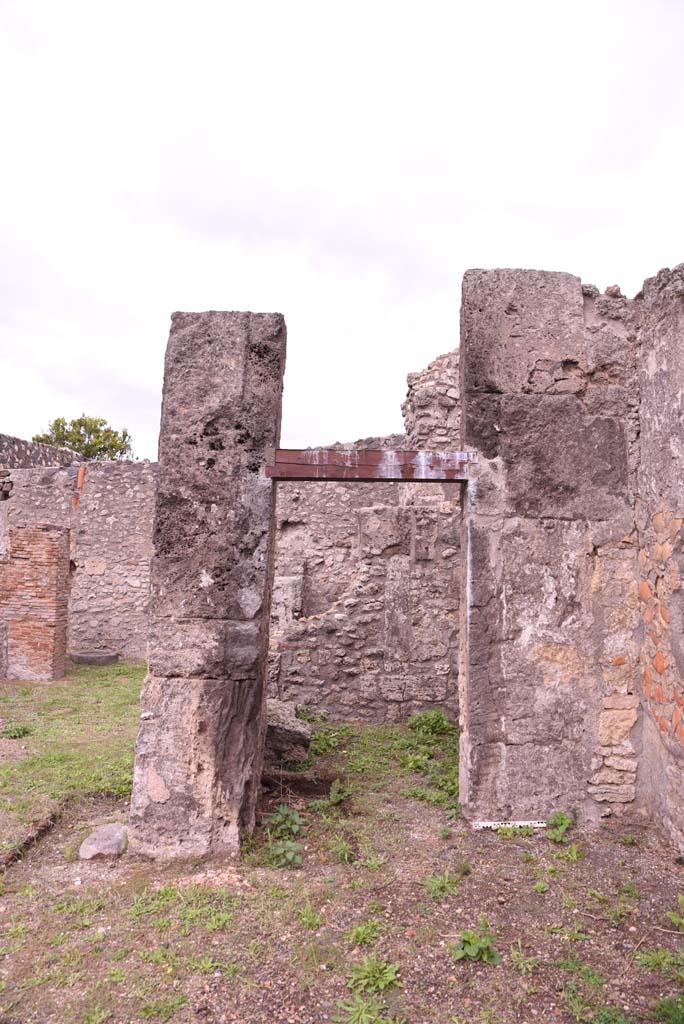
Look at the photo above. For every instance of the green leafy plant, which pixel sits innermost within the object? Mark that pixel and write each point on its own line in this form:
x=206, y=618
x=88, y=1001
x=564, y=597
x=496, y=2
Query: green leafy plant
x=365, y=1010
x=284, y=853
x=573, y=854
x=540, y=887
x=335, y=798
x=444, y=883
x=15, y=731
x=628, y=841
x=373, y=975
x=364, y=933
x=557, y=826
x=477, y=945
x=285, y=823
x=90, y=436
x=677, y=918
x=431, y=723
x=577, y=1003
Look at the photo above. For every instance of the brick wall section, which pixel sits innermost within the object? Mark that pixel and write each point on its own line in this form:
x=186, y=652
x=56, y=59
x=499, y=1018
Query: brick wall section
x=108, y=506
x=18, y=454
x=34, y=587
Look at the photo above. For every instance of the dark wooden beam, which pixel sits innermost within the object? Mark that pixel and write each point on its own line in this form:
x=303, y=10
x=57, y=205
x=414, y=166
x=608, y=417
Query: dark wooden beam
x=371, y=464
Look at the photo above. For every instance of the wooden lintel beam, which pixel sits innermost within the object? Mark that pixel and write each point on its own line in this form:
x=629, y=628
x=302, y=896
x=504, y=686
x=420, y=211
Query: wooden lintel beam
x=367, y=465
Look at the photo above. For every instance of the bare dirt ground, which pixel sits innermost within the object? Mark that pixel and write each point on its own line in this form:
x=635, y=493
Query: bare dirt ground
x=368, y=928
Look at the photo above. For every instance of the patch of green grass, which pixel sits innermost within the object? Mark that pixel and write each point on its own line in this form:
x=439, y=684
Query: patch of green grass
x=575, y=966
x=82, y=730
x=309, y=917
x=163, y=1009
x=540, y=887
x=342, y=850
x=670, y=1011
x=514, y=831
x=657, y=958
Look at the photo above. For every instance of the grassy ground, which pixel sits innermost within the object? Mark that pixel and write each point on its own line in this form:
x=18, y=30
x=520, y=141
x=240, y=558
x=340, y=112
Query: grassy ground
x=64, y=740
x=362, y=899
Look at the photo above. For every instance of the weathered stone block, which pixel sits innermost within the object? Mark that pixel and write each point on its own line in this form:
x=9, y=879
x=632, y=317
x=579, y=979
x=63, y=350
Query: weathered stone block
x=201, y=740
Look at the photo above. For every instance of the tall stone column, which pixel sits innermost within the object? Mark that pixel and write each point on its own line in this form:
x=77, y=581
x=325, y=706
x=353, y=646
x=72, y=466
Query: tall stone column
x=549, y=655
x=200, y=746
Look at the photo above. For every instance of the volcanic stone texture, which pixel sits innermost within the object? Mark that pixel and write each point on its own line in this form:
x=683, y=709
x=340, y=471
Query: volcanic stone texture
x=550, y=611
x=660, y=518
x=200, y=746
x=34, y=587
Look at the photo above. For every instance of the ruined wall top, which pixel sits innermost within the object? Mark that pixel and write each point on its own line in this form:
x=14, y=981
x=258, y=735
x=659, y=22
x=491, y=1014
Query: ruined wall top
x=432, y=411
x=18, y=454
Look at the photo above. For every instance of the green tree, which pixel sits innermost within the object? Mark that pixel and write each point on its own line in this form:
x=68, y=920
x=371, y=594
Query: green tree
x=90, y=436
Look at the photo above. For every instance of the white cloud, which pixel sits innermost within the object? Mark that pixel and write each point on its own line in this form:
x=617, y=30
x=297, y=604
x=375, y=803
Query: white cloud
x=343, y=164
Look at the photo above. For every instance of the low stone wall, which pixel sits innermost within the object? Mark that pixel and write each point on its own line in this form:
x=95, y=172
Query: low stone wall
x=34, y=587
x=18, y=454
x=108, y=508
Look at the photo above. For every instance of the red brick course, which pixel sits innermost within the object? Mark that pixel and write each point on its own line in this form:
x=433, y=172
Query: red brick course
x=34, y=592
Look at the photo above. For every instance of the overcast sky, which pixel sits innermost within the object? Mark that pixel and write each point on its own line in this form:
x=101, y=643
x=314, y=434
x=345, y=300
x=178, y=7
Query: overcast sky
x=341, y=163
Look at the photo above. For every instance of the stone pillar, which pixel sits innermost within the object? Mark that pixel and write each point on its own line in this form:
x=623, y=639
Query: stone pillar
x=548, y=655
x=200, y=745
x=661, y=547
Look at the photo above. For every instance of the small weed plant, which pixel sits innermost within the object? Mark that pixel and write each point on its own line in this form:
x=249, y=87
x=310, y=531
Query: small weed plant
x=364, y=933
x=15, y=731
x=444, y=883
x=525, y=964
x=373, y=975
x=677, y=917
x=670, y=964
x=557, y=827
x=477, y=945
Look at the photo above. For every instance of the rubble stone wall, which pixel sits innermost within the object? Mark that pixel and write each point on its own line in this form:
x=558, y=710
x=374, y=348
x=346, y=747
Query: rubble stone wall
x=365, y=612
x=108, y=509
x=34, y=586
x=18, y=454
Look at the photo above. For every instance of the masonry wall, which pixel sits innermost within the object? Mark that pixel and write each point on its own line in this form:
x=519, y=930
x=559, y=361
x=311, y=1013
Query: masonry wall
x=18, y=454
x=660, y=537
x=108, y=508
x=366, y=593
x=550, y=611
x=34, y=585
